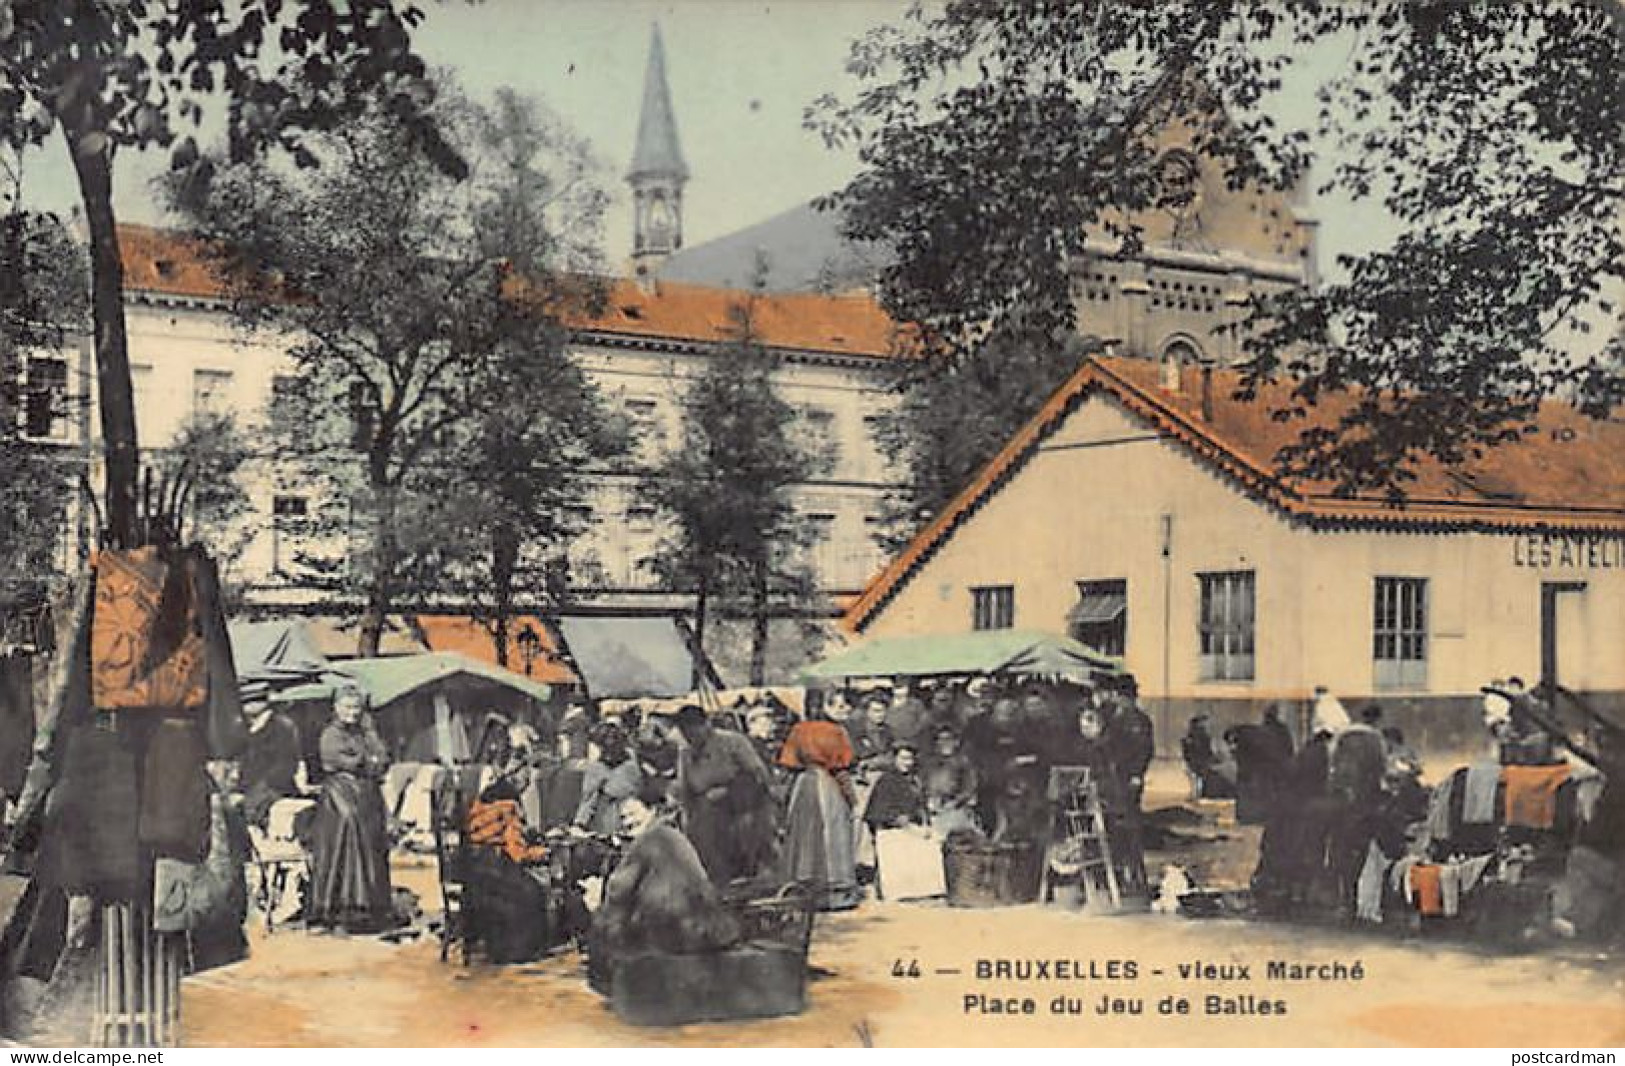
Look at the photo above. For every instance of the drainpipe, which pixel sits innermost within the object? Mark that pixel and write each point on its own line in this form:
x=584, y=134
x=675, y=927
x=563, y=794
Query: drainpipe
x=1167, y=623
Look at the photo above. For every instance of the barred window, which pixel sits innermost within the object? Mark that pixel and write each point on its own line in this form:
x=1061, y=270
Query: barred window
x=1226, y=626
x=993, y=607
x=1399, y=638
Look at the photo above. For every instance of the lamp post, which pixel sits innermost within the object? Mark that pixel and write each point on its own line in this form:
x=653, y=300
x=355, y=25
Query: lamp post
x=530, y=646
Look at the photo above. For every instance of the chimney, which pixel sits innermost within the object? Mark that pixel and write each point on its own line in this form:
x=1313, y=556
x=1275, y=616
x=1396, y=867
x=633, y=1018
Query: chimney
x=1207, y=392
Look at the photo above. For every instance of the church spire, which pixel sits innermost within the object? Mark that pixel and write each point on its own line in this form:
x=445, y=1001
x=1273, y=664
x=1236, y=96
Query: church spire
x=657, y=173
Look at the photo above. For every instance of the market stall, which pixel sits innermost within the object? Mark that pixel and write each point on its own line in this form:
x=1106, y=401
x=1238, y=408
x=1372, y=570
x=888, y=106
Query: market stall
x=1007, y=653
x=404, y=692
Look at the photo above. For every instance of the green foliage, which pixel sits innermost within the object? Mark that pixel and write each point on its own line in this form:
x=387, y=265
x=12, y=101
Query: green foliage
x=996, y=137
x=434, y=419
x=734, y=537
x=134, y=74
x=139, y=73
x=42, y=287
x=211, y=453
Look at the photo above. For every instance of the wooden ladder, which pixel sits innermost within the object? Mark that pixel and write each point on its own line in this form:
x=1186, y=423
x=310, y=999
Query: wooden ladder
x=1085, y=821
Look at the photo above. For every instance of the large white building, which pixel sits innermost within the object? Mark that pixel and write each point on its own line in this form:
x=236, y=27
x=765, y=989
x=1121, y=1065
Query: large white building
x=1140, y=511
x=1201, y=262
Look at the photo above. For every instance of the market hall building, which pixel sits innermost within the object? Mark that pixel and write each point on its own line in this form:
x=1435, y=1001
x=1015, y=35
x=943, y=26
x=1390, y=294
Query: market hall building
x=1138, y=511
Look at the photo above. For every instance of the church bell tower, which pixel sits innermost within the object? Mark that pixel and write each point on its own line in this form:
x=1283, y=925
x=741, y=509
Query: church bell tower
x=658, y=173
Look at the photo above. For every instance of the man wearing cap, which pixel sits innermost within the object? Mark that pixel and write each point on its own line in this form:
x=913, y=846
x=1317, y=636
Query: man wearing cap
x=270, y=766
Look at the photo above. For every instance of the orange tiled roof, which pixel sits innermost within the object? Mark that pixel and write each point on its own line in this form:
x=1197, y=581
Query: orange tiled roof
x=162, y=262
x=462, y=634
x=165, y=262
x=1570, y=476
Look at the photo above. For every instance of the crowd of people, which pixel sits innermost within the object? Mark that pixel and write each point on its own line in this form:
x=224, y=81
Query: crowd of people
x=755, y=794
x=1352, y=833
x=762, y=794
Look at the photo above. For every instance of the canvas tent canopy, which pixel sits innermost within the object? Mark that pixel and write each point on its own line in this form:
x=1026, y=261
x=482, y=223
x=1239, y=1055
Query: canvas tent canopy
x=274, y=653
x=993, y=652
x=338, y=638
x=628, y=657
x=404, y=692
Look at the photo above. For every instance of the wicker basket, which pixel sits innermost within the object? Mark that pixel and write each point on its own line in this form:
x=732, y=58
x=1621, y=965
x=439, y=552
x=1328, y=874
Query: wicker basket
x=785, y=919
x=979, y=874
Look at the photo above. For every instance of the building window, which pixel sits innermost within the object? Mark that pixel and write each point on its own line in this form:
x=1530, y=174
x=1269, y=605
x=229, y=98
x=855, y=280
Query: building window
x=290, y=506
x=1227, y=626
x=817, y=436
x=211, y=391
x=1399, y=632
x=1100, y=617
x=648, y=431
x=993, y=607
x=288, y=514
x=363, y=414
x=45, y=399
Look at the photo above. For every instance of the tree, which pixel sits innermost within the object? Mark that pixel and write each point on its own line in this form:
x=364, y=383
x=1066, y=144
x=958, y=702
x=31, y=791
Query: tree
x=124, y=76
x=41, y=302
x=420, y=308
x=211, y=455
x=954, y=415
x=734, y=535
x=523, y=475
x=996, y=136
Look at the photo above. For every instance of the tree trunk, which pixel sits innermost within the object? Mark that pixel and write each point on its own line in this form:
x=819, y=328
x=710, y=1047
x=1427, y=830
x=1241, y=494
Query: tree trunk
x=116, y=397
x=504, y=562
x=759, y=623
x=380, y=584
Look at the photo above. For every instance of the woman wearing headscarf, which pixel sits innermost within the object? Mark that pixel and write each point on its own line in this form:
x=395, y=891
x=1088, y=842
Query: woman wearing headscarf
x=349, y=882
x=820, y=848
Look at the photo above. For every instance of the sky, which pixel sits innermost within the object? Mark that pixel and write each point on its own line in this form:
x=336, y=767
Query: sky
x=741, y=72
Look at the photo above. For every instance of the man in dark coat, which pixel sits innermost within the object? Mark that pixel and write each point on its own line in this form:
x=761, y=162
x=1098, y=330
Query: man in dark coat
x=1131, y=743
x=270, y=765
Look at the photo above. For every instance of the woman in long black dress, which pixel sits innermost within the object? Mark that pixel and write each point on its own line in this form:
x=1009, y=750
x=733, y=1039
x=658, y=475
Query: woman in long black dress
x=349, y=883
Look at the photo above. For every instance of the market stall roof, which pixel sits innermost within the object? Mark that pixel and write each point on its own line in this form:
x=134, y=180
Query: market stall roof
x=274, y=651
x=993, y=651
x=622, y=656
x=337, y=638
x=391, y=678
x=470, y=637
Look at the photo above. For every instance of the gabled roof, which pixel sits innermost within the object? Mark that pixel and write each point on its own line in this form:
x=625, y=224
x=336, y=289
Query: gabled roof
x=657, y=152
x=1568, y=477
x=160, y=262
